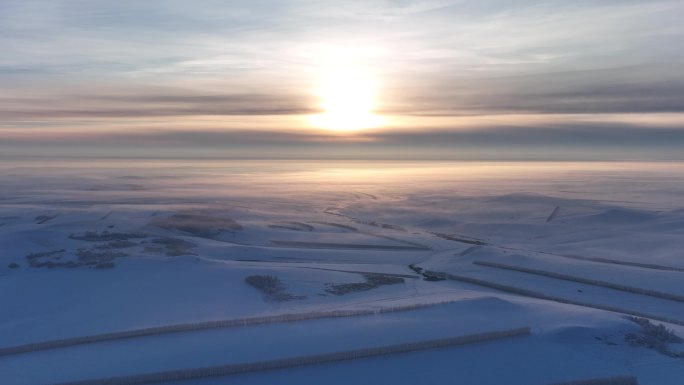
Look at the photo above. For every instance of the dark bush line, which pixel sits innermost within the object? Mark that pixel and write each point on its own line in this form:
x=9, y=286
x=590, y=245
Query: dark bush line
x=336, y=225
x=119, y=244
x=454, y=238
x=565, y=277
x=40, y=219
x=173, y=247
x=606, y=260
x=652, y=336
x=271, y=287
x=353, y=246
x=105, y=265
x=335, y=211
x=534, y=294
x=188, y=327
x=289, y=225
x=619, y=380
x=553, y=214
x=226, y=370
x=660, y=331
x=404, y=241
x=197, y=223
x=378, y=224
x=106, y=236
x=372, y=281
x=91, y=258
x=286, y=227
x=34, y=256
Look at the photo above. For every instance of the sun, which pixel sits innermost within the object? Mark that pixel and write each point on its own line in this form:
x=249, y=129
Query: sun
x=348, y=100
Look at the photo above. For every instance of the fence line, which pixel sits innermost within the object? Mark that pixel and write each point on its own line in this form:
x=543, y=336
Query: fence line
x=534, y=294
x=610, y=285
x=217, y=324
x=600, y=260
x=231, y=369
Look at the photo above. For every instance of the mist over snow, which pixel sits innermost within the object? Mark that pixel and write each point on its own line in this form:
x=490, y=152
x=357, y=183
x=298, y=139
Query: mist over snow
x=111, y=270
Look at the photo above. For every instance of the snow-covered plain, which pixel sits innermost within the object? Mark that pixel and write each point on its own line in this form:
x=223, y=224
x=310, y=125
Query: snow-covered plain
x=117, y=246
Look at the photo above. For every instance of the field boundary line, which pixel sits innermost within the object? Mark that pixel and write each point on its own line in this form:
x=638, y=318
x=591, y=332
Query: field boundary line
x=566, y=277
x=283, y=363
x=206, y=325
x=534, y=294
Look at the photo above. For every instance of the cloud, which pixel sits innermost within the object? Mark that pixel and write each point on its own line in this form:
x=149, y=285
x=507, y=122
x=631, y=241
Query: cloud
x=150, y=74
x=636, y=89
x=592, y=135
x=136, y=105
x=433, y=37
x=568, y=141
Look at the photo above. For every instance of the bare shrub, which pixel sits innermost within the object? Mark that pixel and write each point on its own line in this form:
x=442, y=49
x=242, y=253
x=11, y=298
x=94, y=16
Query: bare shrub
x=652, y=336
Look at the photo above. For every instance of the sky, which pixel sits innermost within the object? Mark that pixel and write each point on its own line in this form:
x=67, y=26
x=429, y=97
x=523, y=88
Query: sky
x=432, y=79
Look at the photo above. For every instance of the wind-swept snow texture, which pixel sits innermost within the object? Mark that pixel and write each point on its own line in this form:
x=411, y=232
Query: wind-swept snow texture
x=121, y=269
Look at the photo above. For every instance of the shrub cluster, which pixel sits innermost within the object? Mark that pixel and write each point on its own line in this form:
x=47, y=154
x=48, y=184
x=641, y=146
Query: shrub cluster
x=85, y=257
x=371, y=282
x=652, y=336
x=106, y=236
x=271, y=287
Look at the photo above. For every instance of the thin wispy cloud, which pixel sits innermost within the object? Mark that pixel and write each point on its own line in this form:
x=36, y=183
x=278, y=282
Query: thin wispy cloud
x=104, y=67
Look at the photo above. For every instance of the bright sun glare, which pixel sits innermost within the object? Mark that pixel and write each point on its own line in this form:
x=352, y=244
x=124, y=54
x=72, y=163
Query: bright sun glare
x=348, y=99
